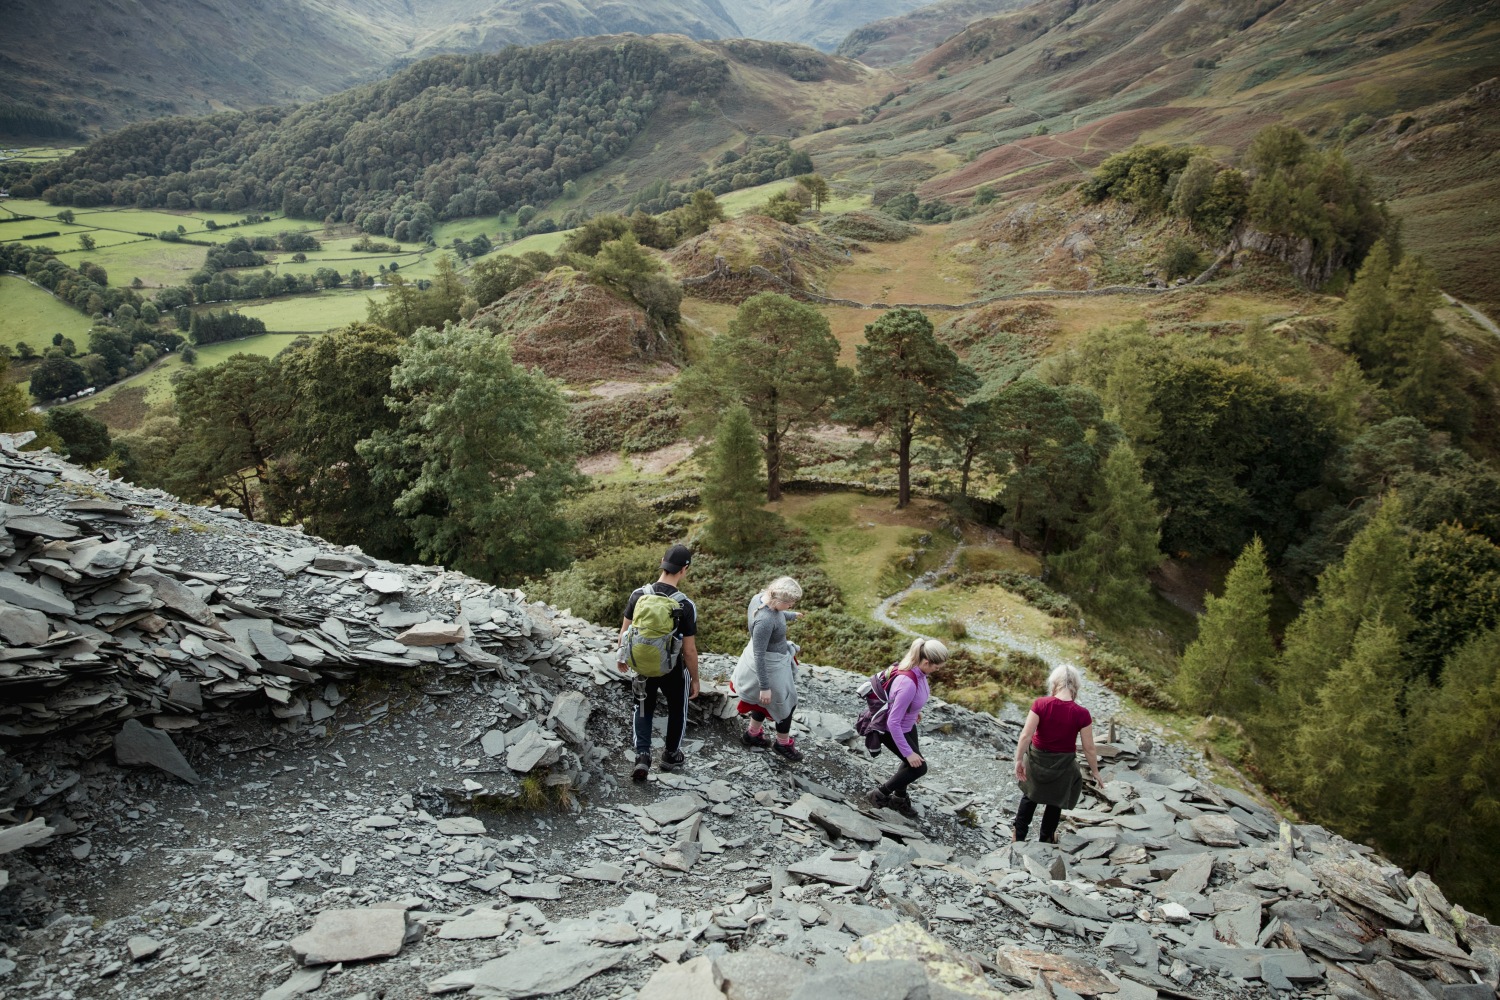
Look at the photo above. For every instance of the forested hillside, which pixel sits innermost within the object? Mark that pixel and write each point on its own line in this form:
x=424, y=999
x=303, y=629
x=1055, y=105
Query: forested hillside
x=169, y=57
x=450, y=137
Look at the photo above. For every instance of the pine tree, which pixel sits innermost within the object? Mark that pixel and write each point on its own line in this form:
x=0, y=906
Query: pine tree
x=1349, y=744
x=733, y=485
x=906, y=378
x=1452, y=819
x=1120, y=538
x=1221, y=671
x=1371, y=583
x=779, y=359
x=1367, y=309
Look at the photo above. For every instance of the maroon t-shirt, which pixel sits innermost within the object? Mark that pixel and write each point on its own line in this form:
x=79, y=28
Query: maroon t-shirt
x=1060, y=724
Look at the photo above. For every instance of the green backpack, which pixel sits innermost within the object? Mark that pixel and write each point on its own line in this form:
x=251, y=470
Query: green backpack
x=649, y=646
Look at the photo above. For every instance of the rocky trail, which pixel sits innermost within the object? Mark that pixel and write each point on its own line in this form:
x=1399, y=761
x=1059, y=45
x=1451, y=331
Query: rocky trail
x=239, y=762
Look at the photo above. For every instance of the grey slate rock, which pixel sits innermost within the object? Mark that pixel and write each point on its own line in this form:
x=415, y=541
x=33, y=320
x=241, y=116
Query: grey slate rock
x=137, y=745
x=899, y=979
x=351, y=936
x=844, y=821
x=570, y=716
x=17, y=591
x=538, y=970
x=174, y=594
x=22, y=626
x=825, y=869
x=675, y=809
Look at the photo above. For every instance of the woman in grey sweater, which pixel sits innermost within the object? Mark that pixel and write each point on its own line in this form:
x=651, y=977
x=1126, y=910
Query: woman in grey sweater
x=765, y=679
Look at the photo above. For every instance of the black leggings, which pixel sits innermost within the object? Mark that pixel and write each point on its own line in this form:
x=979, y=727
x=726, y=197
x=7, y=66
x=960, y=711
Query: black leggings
x=761, y=715
x=1051, y=816
x=905, y=774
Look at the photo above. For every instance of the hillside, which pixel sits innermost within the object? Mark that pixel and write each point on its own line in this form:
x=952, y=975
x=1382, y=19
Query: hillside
x=1035, y=98
x=457, y=135
x=144, y=60
x=822, y=24
x=903, y=37
x=174, y=57
x=240, y=760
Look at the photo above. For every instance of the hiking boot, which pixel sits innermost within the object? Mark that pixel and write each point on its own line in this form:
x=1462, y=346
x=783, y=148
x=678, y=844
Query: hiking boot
x=902, y=804
x=787, y=751
x=758, y=741
x=642, y=767
x=672, y=760
x=878, y=799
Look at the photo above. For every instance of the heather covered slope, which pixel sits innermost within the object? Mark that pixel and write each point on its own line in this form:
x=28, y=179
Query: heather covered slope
x=1038, y=97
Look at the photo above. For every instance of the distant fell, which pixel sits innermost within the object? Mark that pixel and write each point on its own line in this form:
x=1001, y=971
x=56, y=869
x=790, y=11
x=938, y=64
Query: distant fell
x=903, y=37
x=143, y=59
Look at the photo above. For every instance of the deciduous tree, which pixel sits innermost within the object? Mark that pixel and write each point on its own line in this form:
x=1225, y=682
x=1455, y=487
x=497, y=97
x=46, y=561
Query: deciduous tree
x=481, y=457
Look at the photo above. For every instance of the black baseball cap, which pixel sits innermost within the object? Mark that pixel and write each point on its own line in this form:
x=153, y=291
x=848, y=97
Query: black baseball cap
x=676, y=558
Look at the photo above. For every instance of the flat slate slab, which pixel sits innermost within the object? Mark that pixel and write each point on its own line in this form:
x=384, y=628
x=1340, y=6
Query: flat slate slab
x=135, y=744
x=539, y=970
x=825, y=869
x=351, y=936
x=844, y=821
x=675, y=809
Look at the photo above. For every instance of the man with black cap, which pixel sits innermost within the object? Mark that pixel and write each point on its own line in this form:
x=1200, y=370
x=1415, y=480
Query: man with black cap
x=678, y=684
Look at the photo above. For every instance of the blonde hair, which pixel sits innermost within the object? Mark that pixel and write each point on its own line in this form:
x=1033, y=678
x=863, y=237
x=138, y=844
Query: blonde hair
x=1064, y=676
x=784, y=588
x=931, y=650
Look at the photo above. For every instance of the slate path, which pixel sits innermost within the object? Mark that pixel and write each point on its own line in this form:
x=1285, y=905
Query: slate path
x=359, y=826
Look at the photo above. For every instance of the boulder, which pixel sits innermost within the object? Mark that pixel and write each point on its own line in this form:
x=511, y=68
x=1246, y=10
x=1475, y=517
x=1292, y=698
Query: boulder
x=351, y=936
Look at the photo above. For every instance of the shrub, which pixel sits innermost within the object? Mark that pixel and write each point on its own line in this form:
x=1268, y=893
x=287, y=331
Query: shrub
x=869, y=227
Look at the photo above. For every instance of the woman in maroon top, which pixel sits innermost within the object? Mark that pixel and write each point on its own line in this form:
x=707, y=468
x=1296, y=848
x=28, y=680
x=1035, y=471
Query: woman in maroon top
x=1046, y=759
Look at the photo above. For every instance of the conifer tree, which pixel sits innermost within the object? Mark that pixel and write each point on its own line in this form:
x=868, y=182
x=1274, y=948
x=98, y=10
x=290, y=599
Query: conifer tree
x=1367, y=308
x=1453, y=816
x=1371, y=583
x=1349, y=744
x=1120, y=538
x=733, y=486
x=906, y=378
x=1222, y=669
x=779, y=359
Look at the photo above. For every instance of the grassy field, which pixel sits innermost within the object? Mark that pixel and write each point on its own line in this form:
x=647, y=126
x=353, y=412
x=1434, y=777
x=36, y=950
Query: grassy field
x=33, y=315
x=869, y=548
x=315, y=313
x=737, y=203
x=37, y=154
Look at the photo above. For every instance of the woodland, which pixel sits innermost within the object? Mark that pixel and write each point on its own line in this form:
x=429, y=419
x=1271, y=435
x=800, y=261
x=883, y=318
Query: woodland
x=1333, y=474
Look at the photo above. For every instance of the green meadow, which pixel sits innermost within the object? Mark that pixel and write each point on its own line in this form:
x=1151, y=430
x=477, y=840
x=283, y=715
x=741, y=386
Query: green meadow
x=32, y=315
x=316, y=313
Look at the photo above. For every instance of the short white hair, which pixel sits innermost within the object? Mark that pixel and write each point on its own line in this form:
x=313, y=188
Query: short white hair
x=784, y=588
x=1064, y=676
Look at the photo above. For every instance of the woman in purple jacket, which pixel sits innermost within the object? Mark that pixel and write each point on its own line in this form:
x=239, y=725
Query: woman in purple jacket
x=906, y=685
